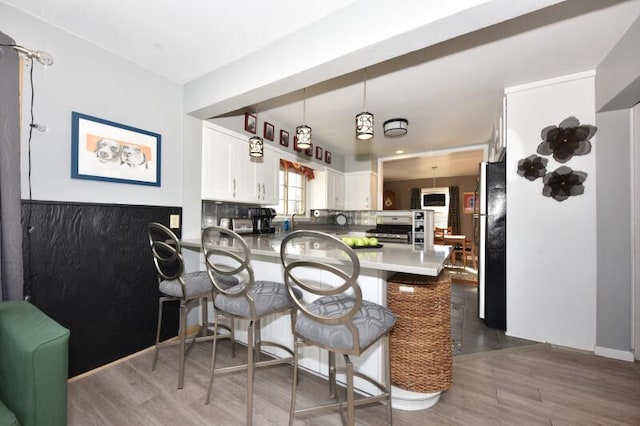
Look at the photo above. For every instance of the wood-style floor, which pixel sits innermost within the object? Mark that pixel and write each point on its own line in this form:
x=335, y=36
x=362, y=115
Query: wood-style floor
x=529, y=385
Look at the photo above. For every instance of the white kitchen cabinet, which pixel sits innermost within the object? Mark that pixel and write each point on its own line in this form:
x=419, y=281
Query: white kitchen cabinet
x=267, y=177
x=229, y=174
x=335, y=190
x=361, y=191
x=326, y=190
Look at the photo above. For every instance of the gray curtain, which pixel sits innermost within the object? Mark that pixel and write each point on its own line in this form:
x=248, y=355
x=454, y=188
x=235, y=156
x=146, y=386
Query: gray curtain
x=11, y=272
x=454, y=209
x=415, y=198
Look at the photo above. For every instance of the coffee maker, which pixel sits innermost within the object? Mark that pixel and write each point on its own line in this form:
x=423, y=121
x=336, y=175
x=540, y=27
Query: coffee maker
x=261, y=218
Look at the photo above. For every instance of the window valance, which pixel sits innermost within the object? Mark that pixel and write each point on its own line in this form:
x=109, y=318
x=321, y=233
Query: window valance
x=297, y=167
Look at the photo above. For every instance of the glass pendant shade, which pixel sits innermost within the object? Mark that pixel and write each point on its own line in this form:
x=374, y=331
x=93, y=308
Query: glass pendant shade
x=256, y=146
x=364, y=125
x=303, y=133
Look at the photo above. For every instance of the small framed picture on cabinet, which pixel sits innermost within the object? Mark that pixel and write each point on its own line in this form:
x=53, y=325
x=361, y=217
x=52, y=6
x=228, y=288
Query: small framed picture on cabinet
x=309, y=151
x=268, y=131
x=295, y=144
x=250, y=123
x=284, y=138
x=327, y=157
x=318, y=153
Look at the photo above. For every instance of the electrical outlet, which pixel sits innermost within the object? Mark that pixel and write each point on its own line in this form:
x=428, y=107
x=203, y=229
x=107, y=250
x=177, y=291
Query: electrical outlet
x=174, y=221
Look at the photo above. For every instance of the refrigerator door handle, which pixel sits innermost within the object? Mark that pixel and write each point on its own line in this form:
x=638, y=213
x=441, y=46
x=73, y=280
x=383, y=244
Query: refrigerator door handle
x=476, y=215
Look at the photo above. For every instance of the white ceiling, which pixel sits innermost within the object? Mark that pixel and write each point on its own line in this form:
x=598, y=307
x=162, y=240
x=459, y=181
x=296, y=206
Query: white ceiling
x=450, y=92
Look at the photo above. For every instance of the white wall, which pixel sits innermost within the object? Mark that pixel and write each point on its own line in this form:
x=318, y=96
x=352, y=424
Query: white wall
x=92, y=81
x=551, y=245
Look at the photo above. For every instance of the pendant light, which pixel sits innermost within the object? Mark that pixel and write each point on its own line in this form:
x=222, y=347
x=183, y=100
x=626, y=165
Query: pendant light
x=256, y=144
x=303, y=132
x=395, y=127
x=364, y=120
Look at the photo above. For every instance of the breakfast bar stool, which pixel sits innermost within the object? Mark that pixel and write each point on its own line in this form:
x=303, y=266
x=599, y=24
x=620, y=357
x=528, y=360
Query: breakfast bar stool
x=338, y=320
x=174, y=284
x=227, y=255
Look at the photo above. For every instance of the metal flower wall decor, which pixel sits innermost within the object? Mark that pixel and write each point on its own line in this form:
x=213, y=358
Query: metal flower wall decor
x=532, y=167
x=563, y=183
x=563, y=141
x=566, y=140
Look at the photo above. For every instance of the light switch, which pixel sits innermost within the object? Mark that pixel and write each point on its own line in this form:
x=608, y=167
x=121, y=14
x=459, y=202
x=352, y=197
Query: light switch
x=174, y=221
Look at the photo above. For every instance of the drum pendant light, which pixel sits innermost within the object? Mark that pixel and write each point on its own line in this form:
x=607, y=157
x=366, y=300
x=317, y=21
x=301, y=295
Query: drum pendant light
x=256, y=144
x=303, y=132
x=395, y=127
x=364, y=120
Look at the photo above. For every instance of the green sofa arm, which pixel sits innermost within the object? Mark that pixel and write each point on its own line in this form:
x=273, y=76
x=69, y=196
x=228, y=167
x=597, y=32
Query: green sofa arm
x=33, y=365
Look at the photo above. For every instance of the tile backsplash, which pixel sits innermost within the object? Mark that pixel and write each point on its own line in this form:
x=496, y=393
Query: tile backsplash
x=212, y=212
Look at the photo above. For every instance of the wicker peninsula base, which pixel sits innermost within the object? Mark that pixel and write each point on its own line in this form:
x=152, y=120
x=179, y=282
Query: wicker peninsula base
x=421, y=358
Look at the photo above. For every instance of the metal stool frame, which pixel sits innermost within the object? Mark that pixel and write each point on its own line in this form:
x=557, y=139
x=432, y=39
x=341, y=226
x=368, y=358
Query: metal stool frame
x=350, y=283
x=169, y=263
x=217, y=243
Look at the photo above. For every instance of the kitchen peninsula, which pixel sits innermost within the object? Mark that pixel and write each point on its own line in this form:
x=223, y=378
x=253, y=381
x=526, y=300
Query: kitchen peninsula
x=377, y=265
x=390, y=258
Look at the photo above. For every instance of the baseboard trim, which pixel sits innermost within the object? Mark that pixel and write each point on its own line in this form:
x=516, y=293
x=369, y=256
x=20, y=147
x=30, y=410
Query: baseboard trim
x=190, y=330
x=614, y=353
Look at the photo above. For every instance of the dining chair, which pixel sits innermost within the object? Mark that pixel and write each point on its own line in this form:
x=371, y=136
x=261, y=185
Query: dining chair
x=439, y=233
x=438, y=238
x=338, y=319
x=471, y=253
x=227, y=255
x=176, y=285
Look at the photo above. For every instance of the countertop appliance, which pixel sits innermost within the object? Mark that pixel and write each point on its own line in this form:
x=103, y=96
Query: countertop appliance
x=393, y=228
x=239, y=225
x=261, y=219
x=490, y=235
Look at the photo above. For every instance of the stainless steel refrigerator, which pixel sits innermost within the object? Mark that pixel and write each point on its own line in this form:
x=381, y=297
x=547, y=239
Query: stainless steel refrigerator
x=490, y=231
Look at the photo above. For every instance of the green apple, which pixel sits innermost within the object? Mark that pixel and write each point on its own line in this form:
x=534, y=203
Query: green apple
x=360, y=242
x=348, y=241
x=373, y=241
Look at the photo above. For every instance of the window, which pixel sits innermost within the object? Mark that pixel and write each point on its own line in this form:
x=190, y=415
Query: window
x=293, y=190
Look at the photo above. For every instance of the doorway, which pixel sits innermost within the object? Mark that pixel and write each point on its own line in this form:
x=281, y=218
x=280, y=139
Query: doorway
x=459, y=167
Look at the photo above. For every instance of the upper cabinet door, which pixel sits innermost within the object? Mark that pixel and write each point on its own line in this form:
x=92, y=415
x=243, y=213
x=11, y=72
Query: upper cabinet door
x=227, y=172
x=267, y=182
x=216, y=165
x=361, y=191
x=335, y=190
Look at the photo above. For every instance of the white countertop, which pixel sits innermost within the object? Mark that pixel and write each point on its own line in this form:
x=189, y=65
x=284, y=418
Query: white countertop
x=391, y=257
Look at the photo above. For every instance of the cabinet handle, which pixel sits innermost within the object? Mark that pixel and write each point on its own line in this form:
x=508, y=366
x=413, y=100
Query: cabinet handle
x=264, y=192
x=234, y=187
x=258, y=190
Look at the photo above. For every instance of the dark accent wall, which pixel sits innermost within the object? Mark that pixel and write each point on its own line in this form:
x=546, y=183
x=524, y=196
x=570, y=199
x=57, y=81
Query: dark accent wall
x=90, y=268
x=402, y=190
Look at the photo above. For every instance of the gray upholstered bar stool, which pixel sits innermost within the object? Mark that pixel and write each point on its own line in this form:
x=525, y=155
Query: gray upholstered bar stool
x=174, y=284
x=227, y=255
x=338, y=320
